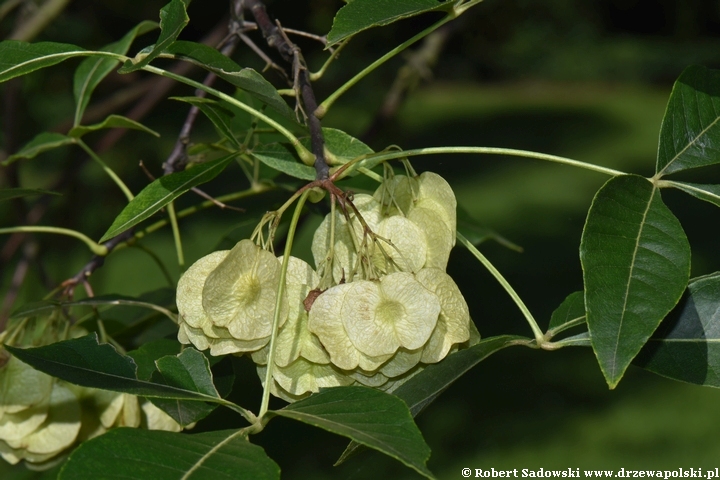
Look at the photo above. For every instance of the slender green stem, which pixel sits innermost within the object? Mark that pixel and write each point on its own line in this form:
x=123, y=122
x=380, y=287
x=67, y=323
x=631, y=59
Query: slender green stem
x=381, y=157
x=314, y=76
x=108, y=170
x=329, y=101
x=304, y=154
x=96, y=248
x=278, y=303
x=539, y=338
x=176, y=235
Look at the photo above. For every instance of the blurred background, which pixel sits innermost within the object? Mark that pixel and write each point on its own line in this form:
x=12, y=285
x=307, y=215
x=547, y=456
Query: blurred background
x=585, y=79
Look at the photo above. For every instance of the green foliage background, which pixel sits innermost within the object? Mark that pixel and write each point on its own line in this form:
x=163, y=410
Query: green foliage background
x=578, y=79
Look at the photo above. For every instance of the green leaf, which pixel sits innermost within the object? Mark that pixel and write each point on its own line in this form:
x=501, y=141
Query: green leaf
x=690, y=131
x=686, y=346
x=709, y=193
x=157, y=455
x=173, y=19
x=112, y=121
x=469, y=227
x=92, y=71
x=10, y=193
x=163, y=191
x=367, y=416
x=20, y=58
x=636, y=264
x=283, y=158
x=570, y=313
x=245, y=79
x=345, y=147
x=83, y=361
x=41, y=143
x=145, y=356
x=220, y=117
x=360, y=15
x=189, y=370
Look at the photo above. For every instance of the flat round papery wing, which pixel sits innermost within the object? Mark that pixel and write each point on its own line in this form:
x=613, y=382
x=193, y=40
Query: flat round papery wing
x=277, y=390
x=396, y=194
x=155, y=419
x=441, y=214
x=453, y=324
x=407, y=248
x=399, y=312
x=59, y=429
x=324, y=320
x=112, y=402
x=218, y=346
x=240, y=293
x=433, y=186
x=302, y=377
x=438, y=237
x=21, y=386
x=190, y=288
x=393, y=383
x=130, y=413
x=403, y=361
x=373, y=380
x=16, y=426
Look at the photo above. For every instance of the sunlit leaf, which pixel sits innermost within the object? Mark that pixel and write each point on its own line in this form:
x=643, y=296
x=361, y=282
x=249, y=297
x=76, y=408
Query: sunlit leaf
x=41, y=143
x=83, y=361
x=636, y=264
x=163, y=191
x=93, y=70
x=10, y=193
x=686, y=346
x=360, y=15
x=20, y=58
x=157, y=455
x=690, y=131
x=173, y=19
x=367, y=416
x=283, y=158
x=570, y=313
x=245, y=79
x=219, y=116
x=709, y=193
x=112, y=121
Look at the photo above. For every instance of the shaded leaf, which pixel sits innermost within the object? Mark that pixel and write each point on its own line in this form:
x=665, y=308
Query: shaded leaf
x=163, y=191
x=690, y=131
x=173, y=19
x=470, y=228
x=570, y=313
x=220, y=117
x=112, y=121
x=93, y=70
x=360, y=15
x=152, y=454
x=686, y=346
x=41, y=143
x=367, y=416
x=83, y=361
x=345, y=147
x=20, y=58
x=283, y=157
x=146, y=355
x=709, y=193
x=636, y=264
x=245, y=79
x=10, y=193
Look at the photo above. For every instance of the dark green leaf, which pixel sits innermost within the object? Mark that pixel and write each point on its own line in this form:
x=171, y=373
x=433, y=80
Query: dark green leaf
x=190, y=370
x=112, y=121
x=360, y=15
x=9, y=193
x=133, y=453
x=219, y=116
x=686, y=346
x=41, y=143
x=690, y=131
x=570, y=313
x=146, y=355
x=20, y=58
x=282, y=157
x=94, y=69
x=245, y=79
x=173, y=19
x=709, y=193
x=44, y=306
x=83, y=361
x=636, y=264
x=345, y=147
x=367, y=416
x=477, y=234
x=163, y=191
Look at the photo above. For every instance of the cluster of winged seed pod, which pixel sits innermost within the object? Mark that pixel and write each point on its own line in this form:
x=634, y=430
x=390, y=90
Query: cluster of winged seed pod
x=379, y=308
x=42, y=417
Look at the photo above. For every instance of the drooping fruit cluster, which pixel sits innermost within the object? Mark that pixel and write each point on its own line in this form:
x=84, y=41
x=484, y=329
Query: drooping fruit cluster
x=41, y=417
x=378, y=309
